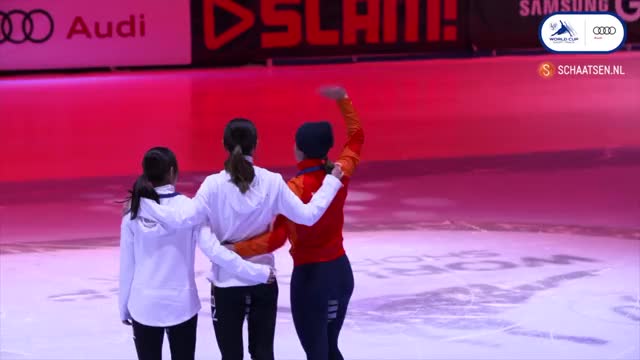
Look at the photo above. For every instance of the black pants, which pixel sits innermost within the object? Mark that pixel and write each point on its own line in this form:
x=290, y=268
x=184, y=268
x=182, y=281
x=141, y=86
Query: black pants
x=229, y=306
x=182, y=340
x=320, y=295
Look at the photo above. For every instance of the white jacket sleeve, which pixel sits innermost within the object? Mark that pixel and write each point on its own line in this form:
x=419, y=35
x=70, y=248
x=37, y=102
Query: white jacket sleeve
x=289, y=205
x=191, y=213
x=127, y=266
x=229, y=260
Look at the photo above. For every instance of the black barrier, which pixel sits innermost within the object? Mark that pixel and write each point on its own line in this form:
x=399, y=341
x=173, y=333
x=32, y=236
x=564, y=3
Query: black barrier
x=513, y=24
x=243, y=31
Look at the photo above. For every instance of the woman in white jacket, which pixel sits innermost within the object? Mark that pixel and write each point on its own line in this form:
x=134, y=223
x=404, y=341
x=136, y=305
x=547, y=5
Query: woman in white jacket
x=239, y=203
x=157, y=282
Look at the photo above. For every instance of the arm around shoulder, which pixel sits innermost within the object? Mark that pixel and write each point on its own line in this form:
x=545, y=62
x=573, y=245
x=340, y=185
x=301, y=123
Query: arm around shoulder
x=289, y=205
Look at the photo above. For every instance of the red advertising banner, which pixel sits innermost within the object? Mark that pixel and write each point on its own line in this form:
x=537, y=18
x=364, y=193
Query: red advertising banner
x=229, y=31
x=39, y=34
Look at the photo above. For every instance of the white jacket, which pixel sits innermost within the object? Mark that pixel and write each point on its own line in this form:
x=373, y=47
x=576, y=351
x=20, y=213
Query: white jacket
x=234, y=216
x=157, y=280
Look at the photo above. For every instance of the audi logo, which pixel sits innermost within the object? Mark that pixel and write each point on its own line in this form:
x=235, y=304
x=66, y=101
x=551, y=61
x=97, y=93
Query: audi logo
x=604, y=30
x=18, y=26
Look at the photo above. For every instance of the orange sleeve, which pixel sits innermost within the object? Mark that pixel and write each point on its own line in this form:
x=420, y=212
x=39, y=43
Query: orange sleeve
x=271, y=240
x=350, y=156
x=265, y=243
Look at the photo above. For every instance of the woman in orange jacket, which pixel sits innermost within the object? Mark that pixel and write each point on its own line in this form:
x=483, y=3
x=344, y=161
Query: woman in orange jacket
x=322, y=280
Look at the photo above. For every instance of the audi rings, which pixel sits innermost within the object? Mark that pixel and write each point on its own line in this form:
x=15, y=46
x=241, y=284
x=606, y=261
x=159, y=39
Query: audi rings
x=18, y=26
x=604, y=30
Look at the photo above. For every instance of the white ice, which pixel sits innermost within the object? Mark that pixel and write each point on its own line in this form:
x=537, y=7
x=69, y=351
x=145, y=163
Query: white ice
x=420, y=294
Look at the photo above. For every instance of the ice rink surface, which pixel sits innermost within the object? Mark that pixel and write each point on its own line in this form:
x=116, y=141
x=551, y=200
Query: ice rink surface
x=512, y=259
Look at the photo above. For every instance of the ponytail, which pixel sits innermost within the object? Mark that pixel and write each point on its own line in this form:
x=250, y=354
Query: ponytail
x=240, y=139
x=240, y=169
x=142, y=188
x=158, y=166
x=328, y=165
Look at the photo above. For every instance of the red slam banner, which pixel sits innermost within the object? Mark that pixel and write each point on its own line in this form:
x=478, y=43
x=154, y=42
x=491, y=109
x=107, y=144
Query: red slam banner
x=236, y=30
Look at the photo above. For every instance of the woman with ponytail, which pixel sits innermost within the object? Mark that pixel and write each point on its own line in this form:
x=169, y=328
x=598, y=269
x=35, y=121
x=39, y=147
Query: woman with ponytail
x=240, y=202
x=322, y=280
x=158, y=293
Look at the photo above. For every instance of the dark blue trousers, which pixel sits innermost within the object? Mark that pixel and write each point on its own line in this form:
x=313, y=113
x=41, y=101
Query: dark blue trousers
x=320, y=294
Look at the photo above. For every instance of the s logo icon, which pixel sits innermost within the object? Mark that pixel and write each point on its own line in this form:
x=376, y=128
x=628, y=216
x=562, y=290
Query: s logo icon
x=546, y=70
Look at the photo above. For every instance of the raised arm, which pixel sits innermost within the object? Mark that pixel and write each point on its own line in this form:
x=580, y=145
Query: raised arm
x=289, y=205
x=190, y=214
x=350, y=156
x=127, y=266
x=229, y=260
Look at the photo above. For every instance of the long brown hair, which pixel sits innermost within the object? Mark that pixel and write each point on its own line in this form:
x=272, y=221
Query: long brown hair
x=240, y=140
x=156, y=168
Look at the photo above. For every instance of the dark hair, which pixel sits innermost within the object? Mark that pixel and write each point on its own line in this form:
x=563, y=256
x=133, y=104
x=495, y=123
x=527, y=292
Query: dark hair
x=156, y=168
x=240, y=139
x=328, y=165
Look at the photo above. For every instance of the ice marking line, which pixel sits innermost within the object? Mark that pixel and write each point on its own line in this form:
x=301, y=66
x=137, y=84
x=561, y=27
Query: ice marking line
x=472, y=226
x=10, y=352
x=501, y=305
x=481, y=333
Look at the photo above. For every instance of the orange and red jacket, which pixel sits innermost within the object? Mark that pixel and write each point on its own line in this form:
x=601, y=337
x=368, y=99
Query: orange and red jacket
x=323, y=241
